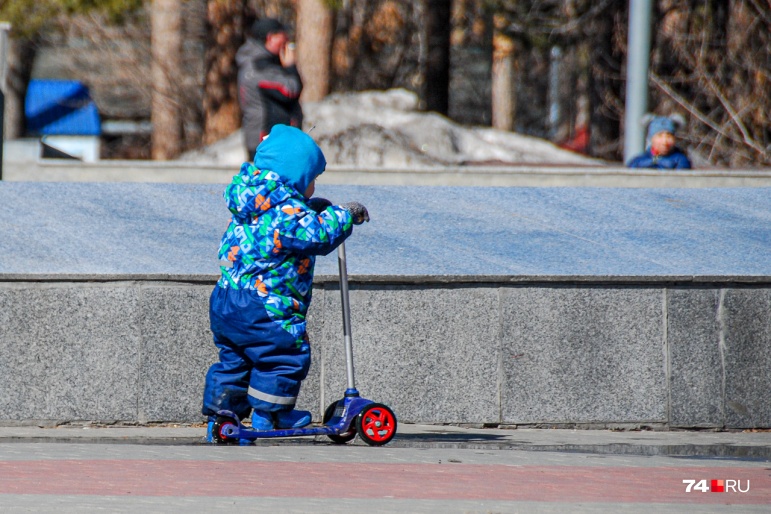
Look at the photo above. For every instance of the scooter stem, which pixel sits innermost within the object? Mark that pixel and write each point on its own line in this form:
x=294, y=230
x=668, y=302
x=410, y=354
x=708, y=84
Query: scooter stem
x=346, y=316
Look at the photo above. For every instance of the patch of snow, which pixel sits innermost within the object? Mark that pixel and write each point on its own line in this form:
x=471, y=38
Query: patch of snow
x=229, y=151
x=385, y=129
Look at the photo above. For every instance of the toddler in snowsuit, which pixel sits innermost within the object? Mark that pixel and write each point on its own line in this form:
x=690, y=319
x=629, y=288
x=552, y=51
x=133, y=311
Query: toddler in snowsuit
x=661, y=152
x=257, y=309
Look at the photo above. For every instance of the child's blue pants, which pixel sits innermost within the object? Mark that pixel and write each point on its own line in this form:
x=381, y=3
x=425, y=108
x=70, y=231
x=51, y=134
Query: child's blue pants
x=261, y=365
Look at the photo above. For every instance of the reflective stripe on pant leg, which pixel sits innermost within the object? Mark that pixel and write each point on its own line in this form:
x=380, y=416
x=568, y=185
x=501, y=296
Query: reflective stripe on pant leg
x=271, y=398
x=280, y=367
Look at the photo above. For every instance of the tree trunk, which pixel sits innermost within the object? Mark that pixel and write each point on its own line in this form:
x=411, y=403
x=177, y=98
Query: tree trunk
x=503, y=97
x=605, y=86
x=437, y=82
x=222, y=114
x=166, y=21
x=314, y=48
x=21, y=54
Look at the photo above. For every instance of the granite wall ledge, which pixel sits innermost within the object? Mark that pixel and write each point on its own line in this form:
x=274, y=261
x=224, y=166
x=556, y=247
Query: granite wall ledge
x=486, y=280
x=651, y=352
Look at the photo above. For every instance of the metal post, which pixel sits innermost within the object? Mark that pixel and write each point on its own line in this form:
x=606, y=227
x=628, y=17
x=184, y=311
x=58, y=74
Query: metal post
x=2, y=122
x=346, y=317
x=638, y=59
x=554, y=92
x=4, y=29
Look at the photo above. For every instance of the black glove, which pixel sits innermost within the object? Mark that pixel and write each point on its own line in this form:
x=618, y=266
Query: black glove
x=318, y=204
x=358, y=212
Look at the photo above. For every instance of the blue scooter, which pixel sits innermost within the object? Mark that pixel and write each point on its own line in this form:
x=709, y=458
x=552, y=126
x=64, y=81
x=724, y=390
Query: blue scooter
x=375, y=423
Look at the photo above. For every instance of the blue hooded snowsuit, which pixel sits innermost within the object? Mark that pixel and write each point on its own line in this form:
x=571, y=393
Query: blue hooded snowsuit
x=258, y=307
x=675, y=160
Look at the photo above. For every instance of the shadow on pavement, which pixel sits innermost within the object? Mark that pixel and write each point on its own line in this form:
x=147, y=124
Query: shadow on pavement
x=495, y=442
x=460, y=441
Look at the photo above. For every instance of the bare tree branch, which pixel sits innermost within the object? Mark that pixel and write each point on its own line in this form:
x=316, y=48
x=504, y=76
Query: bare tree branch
x=762, y=12
x=748, y=139
x=664, y=87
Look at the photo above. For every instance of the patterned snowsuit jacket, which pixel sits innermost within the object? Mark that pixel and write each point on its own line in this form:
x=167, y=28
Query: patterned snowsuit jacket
x=272, y=241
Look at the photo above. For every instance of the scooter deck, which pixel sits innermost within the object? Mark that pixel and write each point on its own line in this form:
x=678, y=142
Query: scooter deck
x=242, y=432
x=341, y=422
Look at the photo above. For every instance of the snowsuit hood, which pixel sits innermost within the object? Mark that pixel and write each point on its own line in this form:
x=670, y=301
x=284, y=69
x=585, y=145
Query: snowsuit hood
x=293, y=155
x=661, y=124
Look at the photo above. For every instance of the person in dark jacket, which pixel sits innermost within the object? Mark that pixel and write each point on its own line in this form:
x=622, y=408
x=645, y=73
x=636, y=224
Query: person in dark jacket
x=258, y=308
x=269, y=84
x=661, y=152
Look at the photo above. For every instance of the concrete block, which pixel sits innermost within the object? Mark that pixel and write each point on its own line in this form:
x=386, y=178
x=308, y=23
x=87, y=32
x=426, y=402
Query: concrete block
x=581, y=355
x=746, y=321
x=696, y=369
x=430, y=353
x=177, y=350
x=69, y=353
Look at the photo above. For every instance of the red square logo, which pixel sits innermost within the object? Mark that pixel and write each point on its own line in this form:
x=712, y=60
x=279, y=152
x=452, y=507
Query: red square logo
x=718, y=486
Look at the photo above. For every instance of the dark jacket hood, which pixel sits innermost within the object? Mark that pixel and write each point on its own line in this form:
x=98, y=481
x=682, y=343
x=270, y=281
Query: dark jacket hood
x=252, y=50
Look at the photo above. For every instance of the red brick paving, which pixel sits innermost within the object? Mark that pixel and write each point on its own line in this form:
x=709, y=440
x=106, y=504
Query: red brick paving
x=364, y=480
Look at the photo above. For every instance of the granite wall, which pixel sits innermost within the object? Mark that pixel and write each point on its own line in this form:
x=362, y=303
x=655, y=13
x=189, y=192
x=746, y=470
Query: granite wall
x=527, y=352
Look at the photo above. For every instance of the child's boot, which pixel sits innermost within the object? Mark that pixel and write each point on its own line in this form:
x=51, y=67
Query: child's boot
x=293, y=418
x=262, y=420
x=209, y=429
x=210, y=436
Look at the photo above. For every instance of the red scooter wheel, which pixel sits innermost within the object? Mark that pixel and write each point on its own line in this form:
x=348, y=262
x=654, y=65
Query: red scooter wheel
x=376, y=424
x=220, y=431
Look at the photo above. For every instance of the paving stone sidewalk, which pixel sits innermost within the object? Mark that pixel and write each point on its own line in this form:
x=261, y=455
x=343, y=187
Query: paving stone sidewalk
x=701, y=443
x=426, y=469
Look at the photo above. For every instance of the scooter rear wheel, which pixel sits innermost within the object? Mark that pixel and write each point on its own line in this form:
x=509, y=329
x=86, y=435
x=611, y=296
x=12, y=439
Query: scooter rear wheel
x=338, y=438
x=219, y=431
x=376, y=424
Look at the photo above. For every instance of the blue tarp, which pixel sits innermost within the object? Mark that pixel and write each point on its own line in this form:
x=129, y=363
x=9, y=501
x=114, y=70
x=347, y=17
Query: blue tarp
x=60, y=107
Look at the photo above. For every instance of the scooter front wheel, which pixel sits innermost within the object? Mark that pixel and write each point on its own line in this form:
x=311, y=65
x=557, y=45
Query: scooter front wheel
x=338, y=438
x=221, y=429
x=376, y=424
